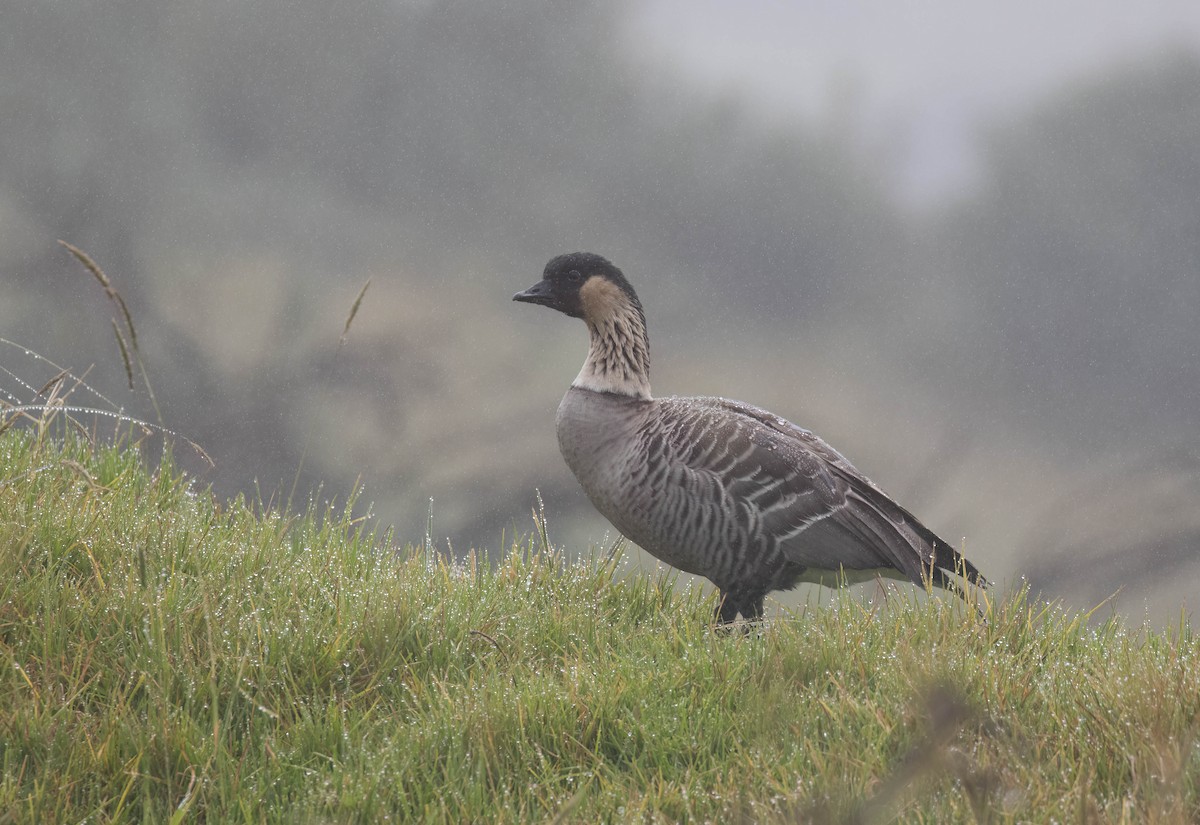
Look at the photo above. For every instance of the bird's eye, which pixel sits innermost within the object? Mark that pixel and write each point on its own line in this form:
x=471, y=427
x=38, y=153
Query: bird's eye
x=575, y=276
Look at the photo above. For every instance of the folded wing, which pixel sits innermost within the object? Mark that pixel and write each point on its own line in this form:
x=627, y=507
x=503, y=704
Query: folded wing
x=823, y=512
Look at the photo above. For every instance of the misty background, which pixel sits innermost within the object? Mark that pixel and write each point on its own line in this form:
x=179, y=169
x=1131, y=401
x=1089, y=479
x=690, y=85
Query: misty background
x=962, y=245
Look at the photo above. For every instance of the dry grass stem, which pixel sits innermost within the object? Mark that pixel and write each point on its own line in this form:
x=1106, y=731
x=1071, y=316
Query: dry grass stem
x=354, y=311
x=132, y=346
x=124, y=352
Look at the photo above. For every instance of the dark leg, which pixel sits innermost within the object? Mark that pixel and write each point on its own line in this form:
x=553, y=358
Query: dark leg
x=727, y=609
x=751, y=607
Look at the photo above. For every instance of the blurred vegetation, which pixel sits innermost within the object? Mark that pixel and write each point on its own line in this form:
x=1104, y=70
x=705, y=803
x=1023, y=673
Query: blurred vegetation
x=1084, y=252
x=1006, y=362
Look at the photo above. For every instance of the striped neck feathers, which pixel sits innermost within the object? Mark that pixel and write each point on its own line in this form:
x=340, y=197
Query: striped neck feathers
x=618, y=359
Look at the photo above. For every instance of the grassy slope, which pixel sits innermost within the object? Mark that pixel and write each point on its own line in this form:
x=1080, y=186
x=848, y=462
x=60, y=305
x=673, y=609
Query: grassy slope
x=170, y=655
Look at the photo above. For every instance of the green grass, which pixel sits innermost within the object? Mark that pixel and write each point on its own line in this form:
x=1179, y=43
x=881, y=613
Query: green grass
x=172, y=657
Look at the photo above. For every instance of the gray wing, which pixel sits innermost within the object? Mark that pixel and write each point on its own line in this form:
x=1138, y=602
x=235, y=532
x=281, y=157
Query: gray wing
x=820, y=510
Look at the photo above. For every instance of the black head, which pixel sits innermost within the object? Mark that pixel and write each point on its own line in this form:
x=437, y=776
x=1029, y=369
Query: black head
x=563, y=280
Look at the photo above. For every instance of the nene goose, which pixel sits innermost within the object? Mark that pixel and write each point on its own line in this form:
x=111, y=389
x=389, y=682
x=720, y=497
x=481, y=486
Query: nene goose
x=716, y=487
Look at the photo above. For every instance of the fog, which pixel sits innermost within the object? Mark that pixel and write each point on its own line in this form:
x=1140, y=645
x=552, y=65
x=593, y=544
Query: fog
x=918, y=80
x=961, y=245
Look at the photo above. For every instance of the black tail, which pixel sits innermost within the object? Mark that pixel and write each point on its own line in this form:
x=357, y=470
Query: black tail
x=947, y=567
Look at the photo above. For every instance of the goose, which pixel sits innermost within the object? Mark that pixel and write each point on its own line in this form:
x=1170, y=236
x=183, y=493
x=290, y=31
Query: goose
x=715, y=487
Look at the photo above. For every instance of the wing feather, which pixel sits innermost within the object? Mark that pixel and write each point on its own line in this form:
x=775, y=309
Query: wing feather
x=822, y=511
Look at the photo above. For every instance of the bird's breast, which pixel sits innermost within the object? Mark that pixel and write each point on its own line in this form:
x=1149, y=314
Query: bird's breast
x=597, y=435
